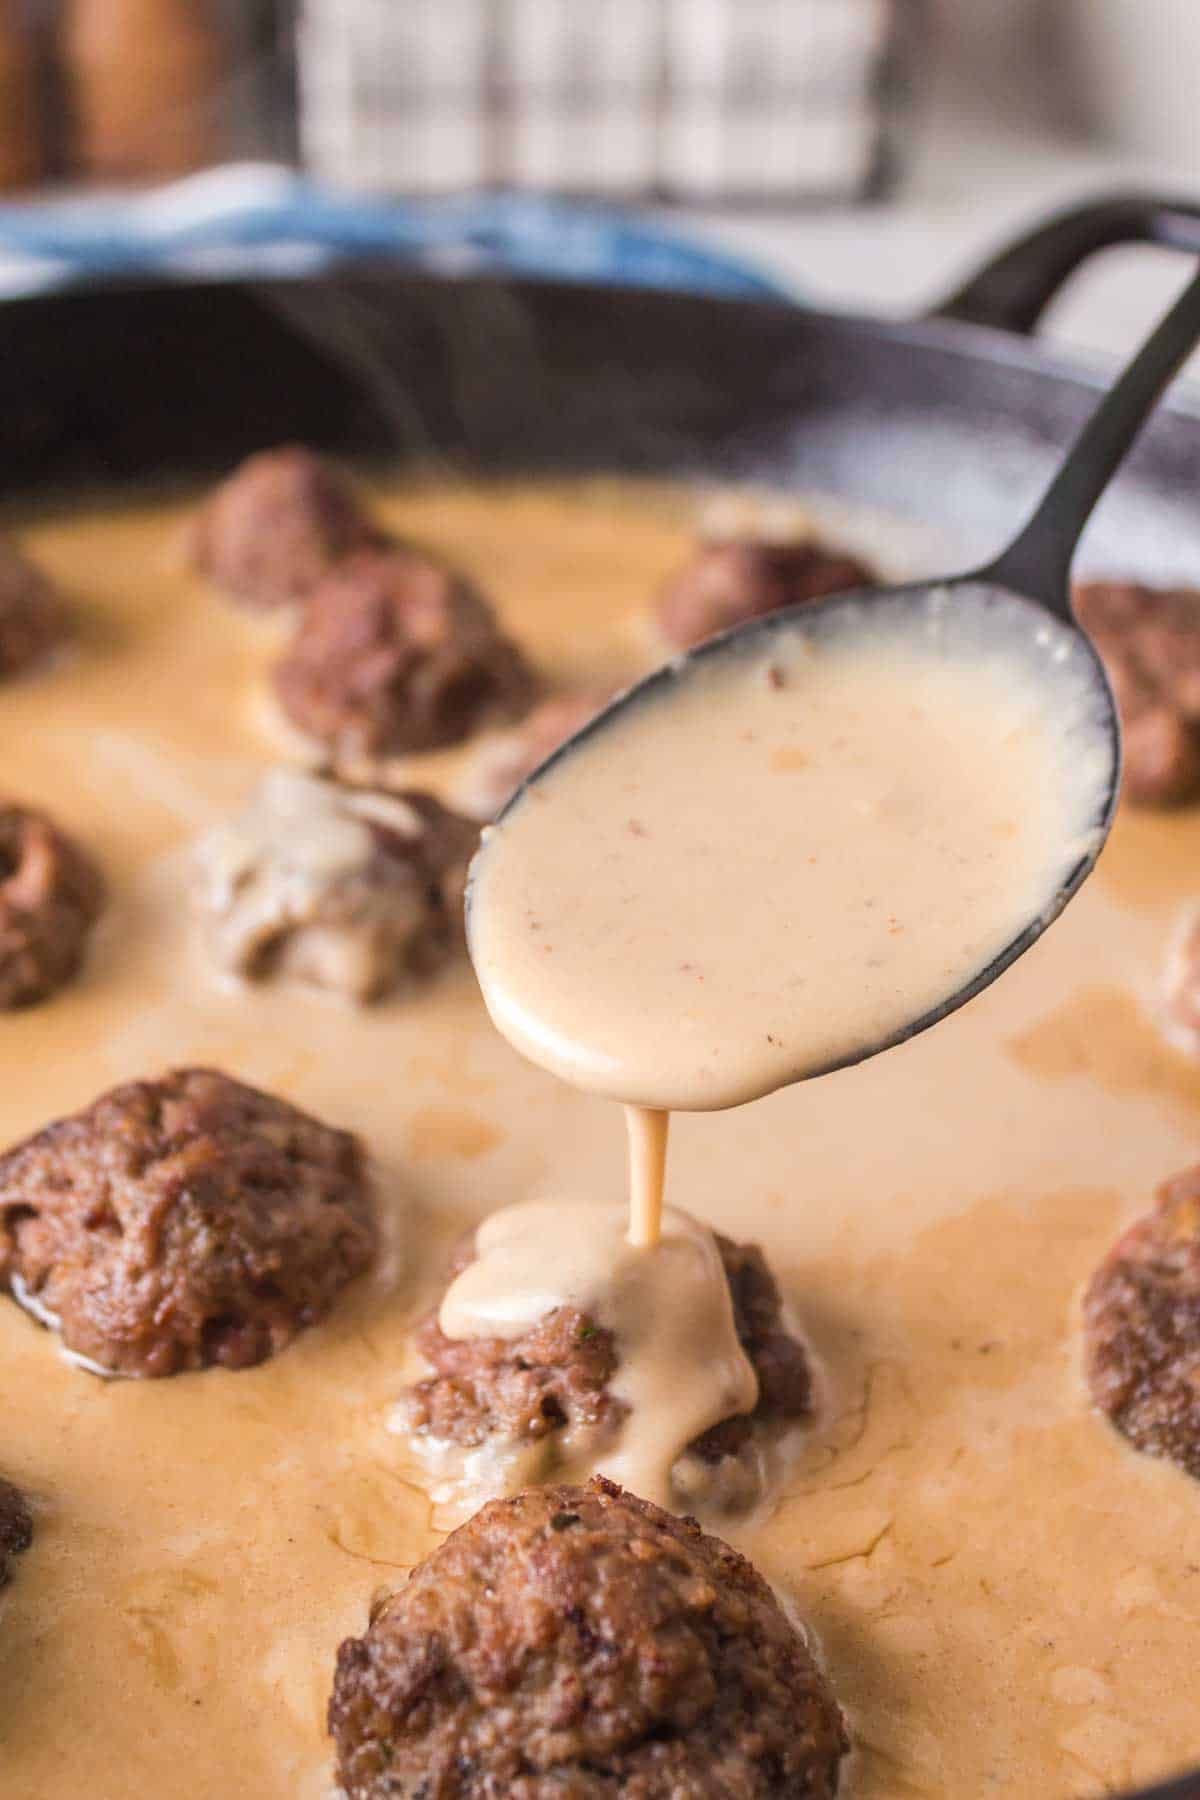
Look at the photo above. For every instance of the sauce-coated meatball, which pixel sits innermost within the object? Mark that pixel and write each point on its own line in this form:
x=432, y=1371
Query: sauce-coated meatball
x=336, y=886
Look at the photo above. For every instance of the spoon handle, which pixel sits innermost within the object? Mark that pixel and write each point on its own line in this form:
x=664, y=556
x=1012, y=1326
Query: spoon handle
x=1037, y=563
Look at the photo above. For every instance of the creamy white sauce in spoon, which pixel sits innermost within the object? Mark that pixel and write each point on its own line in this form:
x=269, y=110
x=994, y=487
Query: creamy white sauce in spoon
x=788, y=855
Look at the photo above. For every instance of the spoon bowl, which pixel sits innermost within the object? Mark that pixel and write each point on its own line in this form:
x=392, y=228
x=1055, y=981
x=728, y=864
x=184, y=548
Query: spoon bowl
x=771, y=856
x=968, y=615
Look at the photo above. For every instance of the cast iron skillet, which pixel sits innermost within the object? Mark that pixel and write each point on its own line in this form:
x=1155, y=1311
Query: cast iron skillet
x=956, y=420
x=935, y=418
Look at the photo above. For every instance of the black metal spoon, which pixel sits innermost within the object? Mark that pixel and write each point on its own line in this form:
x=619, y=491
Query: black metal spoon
x=1020, y=600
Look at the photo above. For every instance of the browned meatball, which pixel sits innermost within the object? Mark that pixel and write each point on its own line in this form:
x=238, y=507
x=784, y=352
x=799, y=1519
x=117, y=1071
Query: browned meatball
x=179, y=1223
x=728, y=581
x=1141, y=1320
x=276, y=526
x=396, y=653
x=16, y=1526
x=32, y=621
x=1149, y=640
x=520, y=1390
x=342, y=887
x=51, y=894
x=778, y=1359
x=576, y=1643
x=502, y=761
x=556, y=1377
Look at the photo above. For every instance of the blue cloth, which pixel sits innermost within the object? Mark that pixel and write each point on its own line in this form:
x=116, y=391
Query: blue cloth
x=256, y=219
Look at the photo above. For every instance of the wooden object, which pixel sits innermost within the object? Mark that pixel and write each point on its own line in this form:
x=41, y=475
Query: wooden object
x=20, y=130
x=143, y=80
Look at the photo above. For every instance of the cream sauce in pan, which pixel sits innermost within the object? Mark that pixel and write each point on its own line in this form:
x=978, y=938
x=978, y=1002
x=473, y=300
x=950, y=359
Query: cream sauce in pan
x=1006, y=1597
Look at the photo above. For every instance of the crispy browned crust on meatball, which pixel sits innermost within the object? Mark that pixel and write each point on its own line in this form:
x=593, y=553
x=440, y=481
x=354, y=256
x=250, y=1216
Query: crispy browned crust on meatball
x=51, y=894
x=32, y=619
x=396, y=653
x=16, y=1527
x=184, y=1222
x=731, y=580
x=556, y=1377
x=577, y=1643
x=271, y=530
x=1141, y=1320
x=1149, y=641
x=521, y=1390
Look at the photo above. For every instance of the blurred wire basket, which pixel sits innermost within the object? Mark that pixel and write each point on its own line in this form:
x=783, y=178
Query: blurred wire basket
x=698, y=100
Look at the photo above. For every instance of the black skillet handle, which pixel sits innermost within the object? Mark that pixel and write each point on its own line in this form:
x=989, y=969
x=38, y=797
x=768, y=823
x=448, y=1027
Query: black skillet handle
x=1038, y=561
x=1014, y=289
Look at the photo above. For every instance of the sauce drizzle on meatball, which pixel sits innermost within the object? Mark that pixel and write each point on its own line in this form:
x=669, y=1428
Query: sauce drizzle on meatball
x=560, y=1346
x=341, y=887
x=680, y=1368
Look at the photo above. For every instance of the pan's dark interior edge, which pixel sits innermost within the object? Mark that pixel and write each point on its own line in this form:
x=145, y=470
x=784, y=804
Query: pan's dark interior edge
x=144, y=384
x=489, y=374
